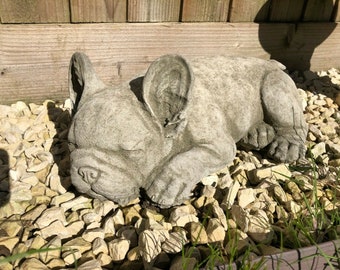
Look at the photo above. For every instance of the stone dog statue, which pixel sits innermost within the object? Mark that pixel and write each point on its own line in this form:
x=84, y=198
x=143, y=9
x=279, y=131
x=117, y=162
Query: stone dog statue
x=184, y=125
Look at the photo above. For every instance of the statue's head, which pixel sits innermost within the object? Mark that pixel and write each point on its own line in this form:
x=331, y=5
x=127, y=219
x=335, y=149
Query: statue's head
x=116, y=140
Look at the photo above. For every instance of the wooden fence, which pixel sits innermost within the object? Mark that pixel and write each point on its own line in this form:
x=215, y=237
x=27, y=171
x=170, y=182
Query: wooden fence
x=122, y=37
x=91, y=11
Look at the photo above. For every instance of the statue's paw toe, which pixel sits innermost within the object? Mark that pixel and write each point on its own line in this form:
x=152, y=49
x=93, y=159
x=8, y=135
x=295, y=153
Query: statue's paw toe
x=259, y=137
x=285, y=150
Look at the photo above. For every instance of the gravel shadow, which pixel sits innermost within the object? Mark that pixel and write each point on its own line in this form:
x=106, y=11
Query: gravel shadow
x=4, y=177
x=59, y=148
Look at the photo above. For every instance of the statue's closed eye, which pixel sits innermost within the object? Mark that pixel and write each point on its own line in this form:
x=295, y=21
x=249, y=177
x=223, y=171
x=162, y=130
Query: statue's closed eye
x=134, y=154
x=89, y=174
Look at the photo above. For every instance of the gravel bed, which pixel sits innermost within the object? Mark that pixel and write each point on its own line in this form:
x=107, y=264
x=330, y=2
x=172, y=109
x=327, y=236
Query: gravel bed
x=39, y=208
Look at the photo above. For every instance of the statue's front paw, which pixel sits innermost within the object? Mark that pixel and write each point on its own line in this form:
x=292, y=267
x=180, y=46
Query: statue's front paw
x=168, y=191
x=286, y=149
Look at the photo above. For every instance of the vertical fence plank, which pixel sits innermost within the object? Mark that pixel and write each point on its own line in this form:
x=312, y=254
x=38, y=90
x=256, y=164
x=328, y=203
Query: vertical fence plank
x=205, y=10
x=319, y=10
x=286, y=11
x=34, y=11
x=154, y=10
x=249, y=10
x=98, y=10
x=336, y=11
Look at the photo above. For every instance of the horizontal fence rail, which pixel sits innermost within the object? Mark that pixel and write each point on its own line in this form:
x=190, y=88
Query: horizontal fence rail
x=84, y=11
x=34, y=58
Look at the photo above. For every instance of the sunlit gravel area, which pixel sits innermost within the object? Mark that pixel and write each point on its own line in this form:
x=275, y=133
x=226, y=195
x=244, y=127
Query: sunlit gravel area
x=252, y=210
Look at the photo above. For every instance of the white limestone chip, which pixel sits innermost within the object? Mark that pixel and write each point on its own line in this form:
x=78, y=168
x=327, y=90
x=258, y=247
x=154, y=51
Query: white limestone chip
x=132, y=214
x=30, y=179
x=174, y=243
x=54, y=250
x=230, y=197
x=215, y=231
x=294, y=189
x=293, y=207
x=99, y=246
x=102, y=208
x=328, y=205
x=134, y=254
x=304, y=182
x=56, y=263
x=11, y=226
x=20, y=192
x=218, y=213
x=90, y=265
x=38, y=167
x=259, y=228
x=153, y=215
x=57, y=200
x=182, y=215
x=109, y=226
x=78, y=244
x=9, y=242
x=118, y=219
x=241, y=217
x=79, y=202
x=118, y=248
x=277, y=172
x=149, y=243
x=33, y=263
x=208, y=191
x=91, y=217
x=54, y=180
x=210, y=180
x=70, y=256
x=335, y=148
x=203, y=201
x=36, y=243
x=245, y=197
x=319, y=149
x=50, y=215
x=105, y=260
x=75, y=227
x=90, y=234
x=198, y=234
x=57, y=228
x=268, y=201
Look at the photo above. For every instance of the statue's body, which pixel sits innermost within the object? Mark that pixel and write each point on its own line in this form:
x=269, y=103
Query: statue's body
x=184, y=127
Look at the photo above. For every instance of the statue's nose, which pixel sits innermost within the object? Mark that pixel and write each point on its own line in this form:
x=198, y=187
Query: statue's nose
x=89, y=175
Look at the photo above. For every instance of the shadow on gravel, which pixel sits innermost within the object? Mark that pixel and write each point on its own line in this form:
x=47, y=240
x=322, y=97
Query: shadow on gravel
x=4, y=177
x=59, y=148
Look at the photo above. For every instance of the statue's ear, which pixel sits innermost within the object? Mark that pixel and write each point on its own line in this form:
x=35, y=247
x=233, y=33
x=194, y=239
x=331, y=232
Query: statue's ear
x=166, y=90
x=82, y=79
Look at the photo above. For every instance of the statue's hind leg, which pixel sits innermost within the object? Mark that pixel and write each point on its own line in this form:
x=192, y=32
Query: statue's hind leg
x=283, y=111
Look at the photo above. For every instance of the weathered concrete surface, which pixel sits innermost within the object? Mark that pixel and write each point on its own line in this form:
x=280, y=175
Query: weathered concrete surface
x=181, y=121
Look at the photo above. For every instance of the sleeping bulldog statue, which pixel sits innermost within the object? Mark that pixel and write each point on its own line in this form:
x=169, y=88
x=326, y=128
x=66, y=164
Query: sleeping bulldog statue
x=180, y=122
